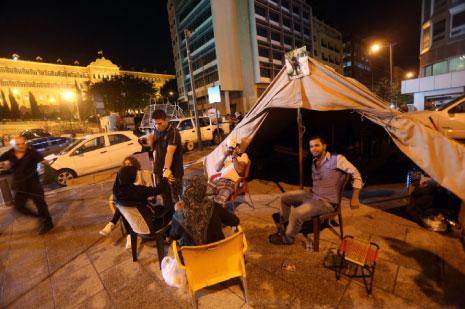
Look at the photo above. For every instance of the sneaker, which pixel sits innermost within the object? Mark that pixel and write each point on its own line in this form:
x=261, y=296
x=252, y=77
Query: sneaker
x=128, y=242
x=107, y=229
x=46, y=226
x=277, y=239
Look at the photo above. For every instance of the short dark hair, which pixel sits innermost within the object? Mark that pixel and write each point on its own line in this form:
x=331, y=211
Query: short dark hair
x=159, y=114
x=314, y=137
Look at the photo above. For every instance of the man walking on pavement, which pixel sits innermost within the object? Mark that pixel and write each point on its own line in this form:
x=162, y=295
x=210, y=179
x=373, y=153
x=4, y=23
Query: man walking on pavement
x=328, y=174
x=168, y=163
x=26, y=183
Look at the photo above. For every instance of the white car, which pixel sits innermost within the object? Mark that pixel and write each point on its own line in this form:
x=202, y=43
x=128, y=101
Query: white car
x=94, y=153
x=448, y=119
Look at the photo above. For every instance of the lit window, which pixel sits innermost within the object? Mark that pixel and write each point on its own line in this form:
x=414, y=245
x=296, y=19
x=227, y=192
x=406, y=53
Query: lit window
x=457, y=64
x=426, y=38
x=440, y=68
x=457, y=23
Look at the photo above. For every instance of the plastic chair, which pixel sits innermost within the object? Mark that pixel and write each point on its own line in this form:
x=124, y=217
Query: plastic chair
x=136, y=225
x=316, y=221
x=241, y=186
x=210, y=264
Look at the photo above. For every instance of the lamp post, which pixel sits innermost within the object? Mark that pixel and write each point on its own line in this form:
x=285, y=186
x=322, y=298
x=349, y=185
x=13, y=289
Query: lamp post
x=375, y=48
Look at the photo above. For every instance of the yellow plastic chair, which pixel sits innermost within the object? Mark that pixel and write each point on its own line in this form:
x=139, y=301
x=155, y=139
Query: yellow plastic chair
x=210, y=264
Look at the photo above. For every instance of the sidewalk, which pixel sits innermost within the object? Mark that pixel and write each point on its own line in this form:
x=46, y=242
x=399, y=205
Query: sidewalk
x=73, y=266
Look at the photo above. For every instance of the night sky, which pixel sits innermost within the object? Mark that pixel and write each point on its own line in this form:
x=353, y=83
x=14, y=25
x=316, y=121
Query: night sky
x=135, y=35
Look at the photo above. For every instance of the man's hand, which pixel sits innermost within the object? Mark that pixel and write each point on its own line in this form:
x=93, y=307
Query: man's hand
x=167, y=173
x=179, y=206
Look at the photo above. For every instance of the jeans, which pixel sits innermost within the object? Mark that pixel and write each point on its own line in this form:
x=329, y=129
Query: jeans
x=300, y=206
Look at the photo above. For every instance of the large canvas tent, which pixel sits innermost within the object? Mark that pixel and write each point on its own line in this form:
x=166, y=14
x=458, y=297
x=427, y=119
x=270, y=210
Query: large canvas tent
x=326, y=90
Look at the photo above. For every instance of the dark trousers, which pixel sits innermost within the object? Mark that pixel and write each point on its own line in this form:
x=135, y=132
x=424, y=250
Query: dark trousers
x=173, y=190
x=116, y=216
x=34, y=192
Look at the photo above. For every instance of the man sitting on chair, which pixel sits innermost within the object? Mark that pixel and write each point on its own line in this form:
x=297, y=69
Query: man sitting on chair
x=328, y=174
x=231, y=168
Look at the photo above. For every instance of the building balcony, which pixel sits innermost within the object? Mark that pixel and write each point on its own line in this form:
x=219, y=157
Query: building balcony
x=435, y=82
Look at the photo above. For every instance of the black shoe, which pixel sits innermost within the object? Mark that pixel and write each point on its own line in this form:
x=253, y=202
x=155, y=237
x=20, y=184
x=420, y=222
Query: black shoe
x=277, y=239
x=26, y=211
x=46, y=226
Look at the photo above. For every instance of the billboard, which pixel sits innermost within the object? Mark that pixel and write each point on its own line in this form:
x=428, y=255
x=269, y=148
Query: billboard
x=214, y=94
x=297, y=63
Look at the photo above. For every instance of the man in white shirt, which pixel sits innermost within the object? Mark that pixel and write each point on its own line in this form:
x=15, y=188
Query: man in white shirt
x=232, y=168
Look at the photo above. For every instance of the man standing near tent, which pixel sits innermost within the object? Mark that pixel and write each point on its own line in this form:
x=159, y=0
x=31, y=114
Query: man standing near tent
x=168, y=163
x=328, y=174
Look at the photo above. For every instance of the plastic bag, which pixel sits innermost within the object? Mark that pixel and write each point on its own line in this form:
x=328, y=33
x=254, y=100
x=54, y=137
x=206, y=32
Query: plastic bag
x=172, y=274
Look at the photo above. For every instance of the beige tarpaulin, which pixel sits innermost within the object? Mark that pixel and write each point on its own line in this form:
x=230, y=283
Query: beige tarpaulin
x=325, y=90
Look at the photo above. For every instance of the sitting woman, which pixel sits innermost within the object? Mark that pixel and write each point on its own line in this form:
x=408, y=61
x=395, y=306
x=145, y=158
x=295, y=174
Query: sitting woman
x=128, y=194
x=198, y=220
x=143, y=178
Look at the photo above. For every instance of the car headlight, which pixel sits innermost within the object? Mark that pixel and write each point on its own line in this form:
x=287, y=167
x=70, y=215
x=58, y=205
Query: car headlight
x=52, y=161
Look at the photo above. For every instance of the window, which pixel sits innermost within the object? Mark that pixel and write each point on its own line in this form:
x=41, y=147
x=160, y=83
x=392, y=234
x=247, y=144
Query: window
x=186, y=125
x=297, y=27
x=440, y=68
x=439, y=5
x=306, y=31
x=427, y=10
x=439, y=29
x=286, y=22
x=426, y=39
x=457, y=64
x=457, y=23
x=287, y=40
x=428, y=70
x=285, y=3
x=263, y=52
x=274, y=16
x=118, y=139
x=260, y=10
x=204, y=122
x=261, y=31
x=265, y=72
x=306, y=14
x=459, y=109
x=277, y=55
x=296, y=9
x=276, y=36
x=93, y=144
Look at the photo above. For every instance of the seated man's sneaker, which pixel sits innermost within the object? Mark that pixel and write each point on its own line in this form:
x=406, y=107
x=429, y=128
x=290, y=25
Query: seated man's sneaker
x=107, y=229
x=128, y=242
x=278, y=239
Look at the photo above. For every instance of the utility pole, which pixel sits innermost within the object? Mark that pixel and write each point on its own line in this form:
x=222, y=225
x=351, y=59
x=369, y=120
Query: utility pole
x=187, y=34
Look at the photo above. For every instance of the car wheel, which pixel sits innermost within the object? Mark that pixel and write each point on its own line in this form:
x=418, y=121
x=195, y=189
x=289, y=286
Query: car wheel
x=189, y=146
x=217, y=138
x=64, y=175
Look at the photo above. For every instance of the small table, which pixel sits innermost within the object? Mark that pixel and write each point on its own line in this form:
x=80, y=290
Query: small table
x=363, y=255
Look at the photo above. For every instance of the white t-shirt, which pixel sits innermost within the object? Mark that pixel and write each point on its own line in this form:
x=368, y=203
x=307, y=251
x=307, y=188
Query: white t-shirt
x=228, y=171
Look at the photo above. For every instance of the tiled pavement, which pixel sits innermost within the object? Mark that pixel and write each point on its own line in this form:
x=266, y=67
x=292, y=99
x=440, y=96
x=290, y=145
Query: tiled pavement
x=74, y=267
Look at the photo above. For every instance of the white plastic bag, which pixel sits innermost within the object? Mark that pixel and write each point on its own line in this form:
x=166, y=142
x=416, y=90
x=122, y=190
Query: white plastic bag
x=172, y=274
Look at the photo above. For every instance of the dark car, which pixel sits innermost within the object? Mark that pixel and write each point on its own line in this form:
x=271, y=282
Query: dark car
x=49, y=145
x=34, y=133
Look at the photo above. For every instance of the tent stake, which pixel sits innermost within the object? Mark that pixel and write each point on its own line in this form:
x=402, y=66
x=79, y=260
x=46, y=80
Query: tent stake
x=300, y=132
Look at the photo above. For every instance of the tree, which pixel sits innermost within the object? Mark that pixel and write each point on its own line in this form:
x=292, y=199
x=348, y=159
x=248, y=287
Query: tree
x=14, y=112
x=6, y=109
x=35, y=112
x=170, y=90
x=121, y=93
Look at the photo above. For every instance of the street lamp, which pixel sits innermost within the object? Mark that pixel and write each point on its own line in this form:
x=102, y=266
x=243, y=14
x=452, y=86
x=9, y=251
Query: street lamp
x=409, y=75
x=375, y=48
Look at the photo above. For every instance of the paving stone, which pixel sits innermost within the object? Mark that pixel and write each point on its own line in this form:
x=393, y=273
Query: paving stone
x=356, y=297
x=39, y=296
x=101, y=300
x=75, y=287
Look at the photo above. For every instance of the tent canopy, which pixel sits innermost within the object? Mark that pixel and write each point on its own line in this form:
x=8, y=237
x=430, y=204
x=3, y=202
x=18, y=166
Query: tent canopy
x=325, y=90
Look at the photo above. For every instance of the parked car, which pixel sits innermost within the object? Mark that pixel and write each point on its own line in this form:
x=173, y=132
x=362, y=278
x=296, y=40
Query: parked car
x=448, y=119
x=209, y=131
x=94, y=153
x=49, y=145
x=34, y=133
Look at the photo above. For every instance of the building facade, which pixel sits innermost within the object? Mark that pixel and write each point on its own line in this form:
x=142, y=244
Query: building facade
x=327, y=45
x=237, y=44
x=54, y=85
x=442, y=54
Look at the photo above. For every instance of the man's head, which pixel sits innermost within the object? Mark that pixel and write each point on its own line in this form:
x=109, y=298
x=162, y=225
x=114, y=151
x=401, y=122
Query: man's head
x=161, y=121
x=19, y=143
x=317, y=146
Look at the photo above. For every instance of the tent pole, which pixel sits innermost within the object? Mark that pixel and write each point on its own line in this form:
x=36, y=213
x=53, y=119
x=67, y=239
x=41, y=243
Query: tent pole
x=300, y=132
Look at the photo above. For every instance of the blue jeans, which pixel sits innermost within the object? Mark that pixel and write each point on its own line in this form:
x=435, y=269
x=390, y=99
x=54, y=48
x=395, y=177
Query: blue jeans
x=300, y=206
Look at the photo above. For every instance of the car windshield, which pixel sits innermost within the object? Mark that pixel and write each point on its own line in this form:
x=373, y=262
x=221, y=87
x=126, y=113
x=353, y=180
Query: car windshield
x=445, y=106
x=71, y=146
x=174, y=123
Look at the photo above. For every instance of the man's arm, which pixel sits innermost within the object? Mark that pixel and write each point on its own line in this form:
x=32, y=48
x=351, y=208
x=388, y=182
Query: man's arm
x=344, y=165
